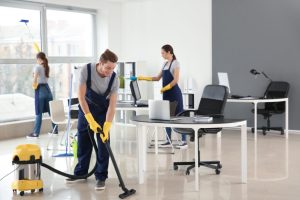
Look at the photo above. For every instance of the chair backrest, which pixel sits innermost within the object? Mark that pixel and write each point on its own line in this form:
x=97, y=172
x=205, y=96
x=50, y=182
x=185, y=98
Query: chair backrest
x=276, y=89
x=173, y=107
x=57, y=111
x=73, y=113
x=213, y=100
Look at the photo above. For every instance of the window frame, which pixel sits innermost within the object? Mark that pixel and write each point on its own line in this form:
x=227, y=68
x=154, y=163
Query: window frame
x=43, y=7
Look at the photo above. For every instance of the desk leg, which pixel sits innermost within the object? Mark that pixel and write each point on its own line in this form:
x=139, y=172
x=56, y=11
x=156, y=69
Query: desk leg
x=156, y=140
x=287, y=119
x=219, y=145
x=139, y=148
x=255, y=121
x=196, y=161
x=244, y=153
x=287, y=158
x=255, y=160
x=144, y=150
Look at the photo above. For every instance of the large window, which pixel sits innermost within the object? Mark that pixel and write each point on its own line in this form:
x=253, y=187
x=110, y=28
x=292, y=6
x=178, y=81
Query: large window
x=67, y=36
x=19, y=29
x=16, y=78
x=74, y=35
x=60, y=83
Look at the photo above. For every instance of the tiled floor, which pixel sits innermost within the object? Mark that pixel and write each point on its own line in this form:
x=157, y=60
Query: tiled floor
x=273, y=170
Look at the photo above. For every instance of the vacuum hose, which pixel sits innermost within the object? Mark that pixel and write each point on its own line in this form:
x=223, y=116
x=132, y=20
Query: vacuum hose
x=126, y=192
x=71, y=176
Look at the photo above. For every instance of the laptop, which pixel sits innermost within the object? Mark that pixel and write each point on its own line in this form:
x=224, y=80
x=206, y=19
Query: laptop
x=223, y=80
x=135, y=91
x=160, y=110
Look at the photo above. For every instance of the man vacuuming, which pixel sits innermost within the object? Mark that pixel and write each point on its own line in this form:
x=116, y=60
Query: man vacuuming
x=97, y=94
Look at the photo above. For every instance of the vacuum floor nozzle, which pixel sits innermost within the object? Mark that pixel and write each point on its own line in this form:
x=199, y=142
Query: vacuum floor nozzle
x=127, y=193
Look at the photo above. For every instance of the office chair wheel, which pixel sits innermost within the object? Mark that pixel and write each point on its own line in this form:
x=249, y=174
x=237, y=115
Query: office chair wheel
x=282, y=132
x=175, y=167
x=218, y=171
x=187, y=172
x=252, y=130
x=264, y=132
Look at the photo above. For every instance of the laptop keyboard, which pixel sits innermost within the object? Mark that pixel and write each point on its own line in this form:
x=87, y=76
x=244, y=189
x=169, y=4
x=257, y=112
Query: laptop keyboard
x=141, y=105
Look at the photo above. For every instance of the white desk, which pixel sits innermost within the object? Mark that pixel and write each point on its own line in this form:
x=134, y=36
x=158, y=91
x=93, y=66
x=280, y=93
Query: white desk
x=257, y=101
x=120, y=106
x=126, y=106
x=143, y=120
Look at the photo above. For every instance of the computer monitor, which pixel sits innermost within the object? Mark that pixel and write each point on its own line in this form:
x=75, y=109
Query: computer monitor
x=135, y=91
x=223, y=79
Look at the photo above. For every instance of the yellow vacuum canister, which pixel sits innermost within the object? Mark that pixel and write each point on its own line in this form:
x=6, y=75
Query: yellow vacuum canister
x=27, y=160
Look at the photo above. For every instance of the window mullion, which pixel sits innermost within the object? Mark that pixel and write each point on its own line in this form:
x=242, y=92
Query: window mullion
x=44, y=30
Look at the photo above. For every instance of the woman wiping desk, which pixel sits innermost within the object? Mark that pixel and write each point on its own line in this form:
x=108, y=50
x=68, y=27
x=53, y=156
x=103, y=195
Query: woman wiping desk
x=170, y=90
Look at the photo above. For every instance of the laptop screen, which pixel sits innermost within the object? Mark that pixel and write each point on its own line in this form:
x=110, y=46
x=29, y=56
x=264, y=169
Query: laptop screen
x=223, y=80
x=135, y=91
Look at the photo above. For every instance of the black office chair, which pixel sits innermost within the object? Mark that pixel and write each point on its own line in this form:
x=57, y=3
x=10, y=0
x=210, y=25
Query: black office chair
x=73, y=112
x=212, y=103
x=173, y=107
x=276, y=89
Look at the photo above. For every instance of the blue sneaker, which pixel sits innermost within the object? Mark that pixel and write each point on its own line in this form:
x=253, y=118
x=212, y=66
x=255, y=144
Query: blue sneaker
x=54, y=134
x=183, y=145
x=32, y=136
x=165, y=145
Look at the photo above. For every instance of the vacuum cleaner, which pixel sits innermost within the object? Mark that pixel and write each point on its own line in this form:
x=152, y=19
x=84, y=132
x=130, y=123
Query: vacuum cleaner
x=28, y=161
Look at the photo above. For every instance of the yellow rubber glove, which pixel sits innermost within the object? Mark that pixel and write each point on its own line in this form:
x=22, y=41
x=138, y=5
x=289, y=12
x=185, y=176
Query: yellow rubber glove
x=166, y=88
x=93, y=124
x=144, y=78
x=106, y=128
x=34, y=86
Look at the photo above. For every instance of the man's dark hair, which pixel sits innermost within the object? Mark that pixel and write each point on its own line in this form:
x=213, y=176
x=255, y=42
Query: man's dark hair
x=108, y=56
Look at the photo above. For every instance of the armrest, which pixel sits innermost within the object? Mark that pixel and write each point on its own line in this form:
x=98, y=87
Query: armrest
x=186, y=112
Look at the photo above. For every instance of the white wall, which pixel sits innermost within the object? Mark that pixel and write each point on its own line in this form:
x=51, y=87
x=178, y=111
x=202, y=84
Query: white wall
x=186, y=25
